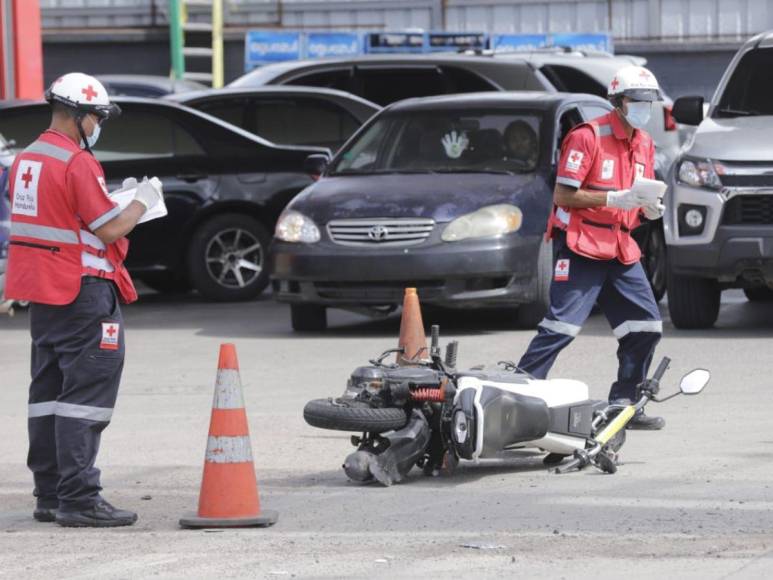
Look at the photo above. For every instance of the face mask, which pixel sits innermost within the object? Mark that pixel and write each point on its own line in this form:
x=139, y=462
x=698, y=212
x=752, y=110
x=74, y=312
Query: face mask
x=92, y=139
x=638, y=114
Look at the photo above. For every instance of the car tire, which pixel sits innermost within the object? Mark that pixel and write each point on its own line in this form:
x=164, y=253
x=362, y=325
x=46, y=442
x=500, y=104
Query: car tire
x=227, y=258
x=308, y=317
x=166, y=283
x=693, y=302
x=530, y=315
x=759, y=294
x=343, y=415
x=654, y=261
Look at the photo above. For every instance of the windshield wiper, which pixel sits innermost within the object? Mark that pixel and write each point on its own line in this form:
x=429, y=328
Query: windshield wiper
x=737, y=112
x=493, y=171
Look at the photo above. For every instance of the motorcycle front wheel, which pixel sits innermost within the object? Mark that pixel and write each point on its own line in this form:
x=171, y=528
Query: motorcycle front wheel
x=344, y=415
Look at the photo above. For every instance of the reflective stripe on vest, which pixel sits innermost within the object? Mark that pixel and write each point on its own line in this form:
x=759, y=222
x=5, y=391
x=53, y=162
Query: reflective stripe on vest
x=94, y=259
x=44, y=233
x=49, y=150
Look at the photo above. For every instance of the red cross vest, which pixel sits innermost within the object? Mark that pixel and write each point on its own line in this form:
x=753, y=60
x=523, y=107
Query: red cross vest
x=609, y=163
x=51, y=246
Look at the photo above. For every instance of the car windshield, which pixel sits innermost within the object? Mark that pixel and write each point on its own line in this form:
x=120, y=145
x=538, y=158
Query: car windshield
x=450, y=141
x=750, y=88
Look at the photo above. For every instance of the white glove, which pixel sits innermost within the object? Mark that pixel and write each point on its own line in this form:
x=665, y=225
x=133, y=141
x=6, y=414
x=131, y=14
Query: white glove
x=129, y=183
x=147, y=194
x=623, y=199
x=654, y=211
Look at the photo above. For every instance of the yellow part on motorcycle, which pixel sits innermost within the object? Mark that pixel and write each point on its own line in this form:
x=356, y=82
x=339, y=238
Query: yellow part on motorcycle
x=616, y=425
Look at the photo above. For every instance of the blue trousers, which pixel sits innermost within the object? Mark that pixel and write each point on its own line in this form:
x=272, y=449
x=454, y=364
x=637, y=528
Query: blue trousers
x=624, y=295
x=75, y=377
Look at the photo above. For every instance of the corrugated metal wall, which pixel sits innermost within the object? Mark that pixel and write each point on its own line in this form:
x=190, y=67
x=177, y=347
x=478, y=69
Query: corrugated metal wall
x=631, y=19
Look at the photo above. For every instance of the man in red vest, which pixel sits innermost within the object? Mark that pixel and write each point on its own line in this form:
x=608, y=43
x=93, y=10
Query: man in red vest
x=597, y=260
x=66, y=254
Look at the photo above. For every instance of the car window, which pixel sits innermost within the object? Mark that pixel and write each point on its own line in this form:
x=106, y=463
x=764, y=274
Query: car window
x=569, y=119
x=749, y=90
x=573, y=80
x=446, y=141
x=301, y=121
x=229, y=110
x=384, y=86
x=144, y=135
x=24, y=125
x=331, y=79
x=465, y=81
x=133, y=90
x=592, y=111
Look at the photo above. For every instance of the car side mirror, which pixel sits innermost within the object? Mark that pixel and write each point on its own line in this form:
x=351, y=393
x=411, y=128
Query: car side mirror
x=688, y=110
x=693, y=382
x=315, y=164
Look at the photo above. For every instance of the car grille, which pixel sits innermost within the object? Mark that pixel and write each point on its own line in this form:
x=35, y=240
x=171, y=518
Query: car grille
x=759, y=180
x=749, y=209
x=377, y=232
x=384, y=292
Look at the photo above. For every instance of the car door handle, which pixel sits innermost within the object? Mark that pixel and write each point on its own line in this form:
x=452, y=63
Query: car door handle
x=191, y=177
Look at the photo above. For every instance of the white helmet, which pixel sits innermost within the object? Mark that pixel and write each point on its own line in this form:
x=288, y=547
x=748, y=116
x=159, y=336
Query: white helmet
x=83, y=93
x=635, y=82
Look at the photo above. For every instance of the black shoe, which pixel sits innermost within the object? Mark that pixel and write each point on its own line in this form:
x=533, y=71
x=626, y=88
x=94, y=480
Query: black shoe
x=553, y=459
x=642, y=422
x=45, y=514
x=101, y=515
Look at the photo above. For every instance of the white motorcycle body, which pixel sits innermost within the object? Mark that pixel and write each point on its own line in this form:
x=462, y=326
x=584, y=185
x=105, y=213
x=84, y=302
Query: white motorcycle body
x=498, y=410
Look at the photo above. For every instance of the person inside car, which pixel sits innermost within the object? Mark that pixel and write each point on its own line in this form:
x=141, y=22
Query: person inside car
x=521, y=144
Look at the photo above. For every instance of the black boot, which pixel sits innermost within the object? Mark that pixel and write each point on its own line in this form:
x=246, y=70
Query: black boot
x=100, y=515
x=644, y=422
x=45, y=511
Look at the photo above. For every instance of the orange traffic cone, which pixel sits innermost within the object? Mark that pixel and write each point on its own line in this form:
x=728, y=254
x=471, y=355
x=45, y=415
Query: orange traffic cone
x=412, y=340
x=229, y=491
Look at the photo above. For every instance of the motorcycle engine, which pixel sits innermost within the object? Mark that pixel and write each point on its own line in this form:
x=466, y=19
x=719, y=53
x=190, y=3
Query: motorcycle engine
x=389, y=387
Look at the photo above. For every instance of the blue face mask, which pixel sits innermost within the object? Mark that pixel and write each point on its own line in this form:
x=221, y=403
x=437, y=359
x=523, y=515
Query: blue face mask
x=92, y=139
x=638, y=114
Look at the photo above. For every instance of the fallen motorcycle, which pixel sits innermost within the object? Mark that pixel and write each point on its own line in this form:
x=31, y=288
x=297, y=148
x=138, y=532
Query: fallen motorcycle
x=432, y=415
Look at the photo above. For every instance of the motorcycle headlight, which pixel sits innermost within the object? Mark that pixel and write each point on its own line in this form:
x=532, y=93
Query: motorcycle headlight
x=489, y=221
x=700, y=173
x=293, y=226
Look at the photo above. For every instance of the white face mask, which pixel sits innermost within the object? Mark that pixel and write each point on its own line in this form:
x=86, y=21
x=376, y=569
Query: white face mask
x=638, y=114
x=92, y=139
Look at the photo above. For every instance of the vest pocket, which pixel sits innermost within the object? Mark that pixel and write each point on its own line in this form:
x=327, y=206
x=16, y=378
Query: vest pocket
x=34, y=245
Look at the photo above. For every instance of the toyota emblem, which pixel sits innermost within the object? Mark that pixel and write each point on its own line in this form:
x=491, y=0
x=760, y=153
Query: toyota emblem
x=378, y=233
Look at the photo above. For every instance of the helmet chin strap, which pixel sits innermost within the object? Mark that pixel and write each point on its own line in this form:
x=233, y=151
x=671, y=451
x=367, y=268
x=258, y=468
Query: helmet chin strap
x=79, y=123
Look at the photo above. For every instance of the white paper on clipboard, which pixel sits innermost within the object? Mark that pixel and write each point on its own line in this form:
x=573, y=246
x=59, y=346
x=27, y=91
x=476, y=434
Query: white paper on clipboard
x=123, y=197
x=651, y=190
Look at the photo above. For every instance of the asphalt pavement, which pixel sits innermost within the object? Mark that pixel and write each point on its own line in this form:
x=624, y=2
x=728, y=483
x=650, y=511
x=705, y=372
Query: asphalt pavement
x=692, y=501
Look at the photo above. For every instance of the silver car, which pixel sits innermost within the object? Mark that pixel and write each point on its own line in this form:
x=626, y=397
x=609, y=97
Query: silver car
x=719, y=224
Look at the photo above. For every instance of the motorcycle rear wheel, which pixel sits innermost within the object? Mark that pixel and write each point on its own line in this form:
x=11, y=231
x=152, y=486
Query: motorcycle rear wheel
x=343, y=415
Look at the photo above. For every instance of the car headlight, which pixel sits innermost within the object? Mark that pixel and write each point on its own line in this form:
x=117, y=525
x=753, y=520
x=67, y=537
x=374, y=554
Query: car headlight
x=489, y=221
x=293, y=226
x=700, y=173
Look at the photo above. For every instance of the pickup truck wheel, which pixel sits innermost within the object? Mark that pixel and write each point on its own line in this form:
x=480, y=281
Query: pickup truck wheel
x=654, y=260
x=530, y=315
x=693, y=302
x=308, y=317
x=760, y=294
x=227, y=258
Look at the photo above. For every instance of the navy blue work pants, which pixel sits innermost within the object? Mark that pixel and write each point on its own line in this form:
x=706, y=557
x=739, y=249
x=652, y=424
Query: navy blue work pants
x=625, y=297
x=77, y=359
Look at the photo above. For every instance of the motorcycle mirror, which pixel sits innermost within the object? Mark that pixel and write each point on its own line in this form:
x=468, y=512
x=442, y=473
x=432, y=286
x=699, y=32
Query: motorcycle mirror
x=693, y=382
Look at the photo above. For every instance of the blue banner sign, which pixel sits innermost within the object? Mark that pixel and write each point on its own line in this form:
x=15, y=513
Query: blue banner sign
x=395, y=42
x=601, y=42
x=518, y=42
x=322, y=44
x=261, y=47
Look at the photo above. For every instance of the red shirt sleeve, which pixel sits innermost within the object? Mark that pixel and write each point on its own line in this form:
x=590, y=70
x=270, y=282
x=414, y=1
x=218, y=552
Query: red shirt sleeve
x=576, y=159
x=88, y=190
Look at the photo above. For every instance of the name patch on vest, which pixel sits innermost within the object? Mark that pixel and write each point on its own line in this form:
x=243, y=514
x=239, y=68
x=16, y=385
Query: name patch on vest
x=110, y=332
x=574, y=160
x=562, y=271
x=25, y=188
x=607, y=169
x=640, y=170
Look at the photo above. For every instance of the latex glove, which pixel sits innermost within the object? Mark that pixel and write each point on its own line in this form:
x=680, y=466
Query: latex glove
x=129, y=183
x=654, y=211
x=147, y=194
x=623, y=199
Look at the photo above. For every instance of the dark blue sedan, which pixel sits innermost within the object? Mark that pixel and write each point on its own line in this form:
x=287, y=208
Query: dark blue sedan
x=447, y=194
